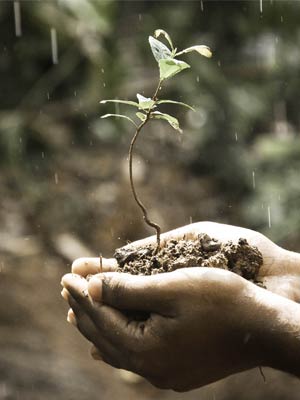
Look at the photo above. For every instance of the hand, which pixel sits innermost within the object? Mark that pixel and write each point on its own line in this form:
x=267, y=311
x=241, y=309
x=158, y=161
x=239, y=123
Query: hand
x=280, y=272
x=202, y=324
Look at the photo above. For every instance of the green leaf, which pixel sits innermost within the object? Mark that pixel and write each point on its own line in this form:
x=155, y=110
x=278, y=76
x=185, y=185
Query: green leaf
x=144, y=102
x=141, y=116
x=171, y=120
x=159, y=50
x=119, y=116
x=201, y=49
x=159, y=32
x=175, y=102
x=170, y=67
x=131, y=103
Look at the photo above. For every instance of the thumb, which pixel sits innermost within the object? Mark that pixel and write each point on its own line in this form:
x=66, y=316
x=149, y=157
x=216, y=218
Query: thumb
x=155, y=293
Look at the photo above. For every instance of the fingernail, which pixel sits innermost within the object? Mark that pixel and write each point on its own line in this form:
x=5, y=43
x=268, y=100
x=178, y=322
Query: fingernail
x=65, y=294
x=71, y=318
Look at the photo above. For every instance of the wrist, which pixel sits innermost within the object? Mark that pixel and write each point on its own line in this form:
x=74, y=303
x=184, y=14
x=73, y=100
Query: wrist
x=277, y=330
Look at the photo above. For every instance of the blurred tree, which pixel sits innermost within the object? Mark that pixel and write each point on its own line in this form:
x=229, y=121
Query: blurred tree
x=245, y=132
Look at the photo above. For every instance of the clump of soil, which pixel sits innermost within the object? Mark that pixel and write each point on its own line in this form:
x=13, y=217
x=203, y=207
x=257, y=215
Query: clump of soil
x=241, y=258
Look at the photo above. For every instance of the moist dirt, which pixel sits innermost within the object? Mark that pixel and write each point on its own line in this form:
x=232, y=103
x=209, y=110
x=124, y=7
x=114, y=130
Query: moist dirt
x=240, y=257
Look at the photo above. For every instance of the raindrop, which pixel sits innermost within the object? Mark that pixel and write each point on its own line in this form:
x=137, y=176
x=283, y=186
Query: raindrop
x=219, y=63
x=54, y=46
x=48, y=95
x=140, y=17
x=56, y=178
x=104, y=84
x=102, y=70
x=191, y=219
x=253, y=179
x=17, y=14
x=75, y=93
x=236, y=136
x=202, y=5
x=269, y=216
x=281, y=18
x=261, y=6
x=43, y=155
x=247, y=337
x=198, y=79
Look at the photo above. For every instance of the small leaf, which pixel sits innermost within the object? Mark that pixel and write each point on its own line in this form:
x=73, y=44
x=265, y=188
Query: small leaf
x=171, y=120
x=119, y=116
x=159, y=50
x=141, y=116
x=201, y=49
x=159, y=32
x=175, y=102
x=144, y=102
x=131, y=103
x=170, y=67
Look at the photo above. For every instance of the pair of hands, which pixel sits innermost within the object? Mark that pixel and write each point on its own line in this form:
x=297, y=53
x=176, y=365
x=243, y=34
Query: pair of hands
x=200, y=325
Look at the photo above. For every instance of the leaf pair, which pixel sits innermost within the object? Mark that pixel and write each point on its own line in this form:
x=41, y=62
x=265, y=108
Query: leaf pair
x=153, y=115
x=168, y=65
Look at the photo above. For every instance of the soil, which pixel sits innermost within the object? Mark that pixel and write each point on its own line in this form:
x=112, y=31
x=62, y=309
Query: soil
x=240, y=258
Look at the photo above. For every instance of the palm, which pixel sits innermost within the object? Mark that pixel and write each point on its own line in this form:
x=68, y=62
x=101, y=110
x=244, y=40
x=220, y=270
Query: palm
x=280, y=272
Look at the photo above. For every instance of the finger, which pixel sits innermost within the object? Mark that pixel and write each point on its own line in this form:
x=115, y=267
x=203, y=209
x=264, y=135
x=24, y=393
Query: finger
x=109, y=330
x=64, y=294
x=85, y=325
x=155, y=293
x=81, y=303
x=76, y=286
x=86, y=266
x=71, y=317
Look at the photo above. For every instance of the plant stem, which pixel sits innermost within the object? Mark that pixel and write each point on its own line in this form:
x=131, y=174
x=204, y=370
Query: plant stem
x=130, y=157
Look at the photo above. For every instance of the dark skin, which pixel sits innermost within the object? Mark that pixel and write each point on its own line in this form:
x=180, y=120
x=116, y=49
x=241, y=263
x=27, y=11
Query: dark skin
x=202, y=324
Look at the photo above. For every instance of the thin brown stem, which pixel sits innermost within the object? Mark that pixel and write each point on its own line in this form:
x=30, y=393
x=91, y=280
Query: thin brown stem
x=130, y=158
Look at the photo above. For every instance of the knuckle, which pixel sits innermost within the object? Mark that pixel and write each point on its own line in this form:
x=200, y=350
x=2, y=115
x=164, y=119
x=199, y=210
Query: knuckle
x=117, y=289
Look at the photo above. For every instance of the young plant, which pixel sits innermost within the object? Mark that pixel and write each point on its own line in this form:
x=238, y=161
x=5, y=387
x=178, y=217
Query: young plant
x=147, y=107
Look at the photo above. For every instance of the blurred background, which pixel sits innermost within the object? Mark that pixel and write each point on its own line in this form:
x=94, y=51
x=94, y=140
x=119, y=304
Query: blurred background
x=64, y=188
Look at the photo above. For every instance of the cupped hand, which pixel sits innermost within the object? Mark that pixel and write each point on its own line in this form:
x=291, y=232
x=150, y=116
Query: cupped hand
x=280, y=272
x=200, y=324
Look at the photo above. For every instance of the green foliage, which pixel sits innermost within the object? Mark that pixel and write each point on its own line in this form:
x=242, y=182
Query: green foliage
x=171, y=120
x=247, y=98
x=119, y=116
x=168, y=67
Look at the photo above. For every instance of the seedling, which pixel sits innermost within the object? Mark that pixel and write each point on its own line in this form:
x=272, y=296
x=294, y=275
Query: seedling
x=147, y=107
